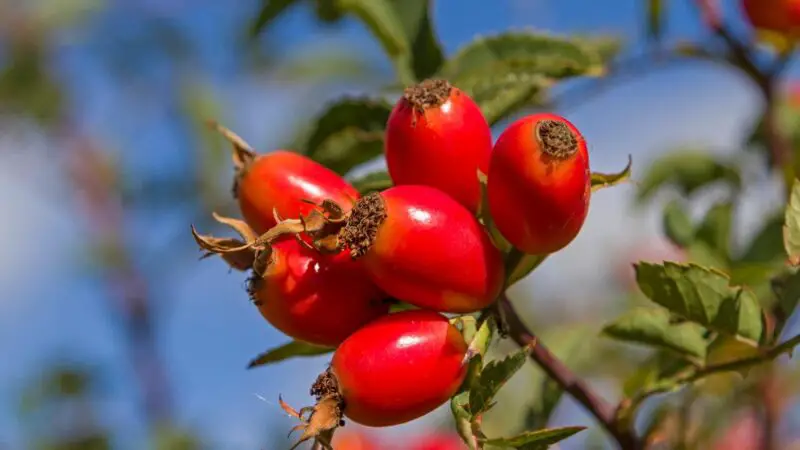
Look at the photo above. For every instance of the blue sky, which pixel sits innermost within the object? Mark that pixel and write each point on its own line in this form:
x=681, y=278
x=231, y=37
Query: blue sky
x=210, y=330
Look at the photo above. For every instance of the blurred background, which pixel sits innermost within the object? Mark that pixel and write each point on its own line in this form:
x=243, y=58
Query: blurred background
x=114, y=335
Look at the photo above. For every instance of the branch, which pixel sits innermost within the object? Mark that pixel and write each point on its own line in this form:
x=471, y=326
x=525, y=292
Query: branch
x=604, y=412
x=779, y=147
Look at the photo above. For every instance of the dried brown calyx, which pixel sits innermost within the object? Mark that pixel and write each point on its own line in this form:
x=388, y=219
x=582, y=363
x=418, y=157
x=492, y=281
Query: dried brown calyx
x=248, y=252
x=243, y=155
x=556, y=139
x=321, y=226
x=428, y=94
x=361, y=228
x=243, y=253
x=321, y=420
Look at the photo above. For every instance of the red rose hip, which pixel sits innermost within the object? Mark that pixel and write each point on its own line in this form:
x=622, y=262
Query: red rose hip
x=437, y=136
x=310, y=296
x=314, y=297
x=539, y=183
x=396, y=369
x=280, y=181
x=781, y=16
x=422, y=247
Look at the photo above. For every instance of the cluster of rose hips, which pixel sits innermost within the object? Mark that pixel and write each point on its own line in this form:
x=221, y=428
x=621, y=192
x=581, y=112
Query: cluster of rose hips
x=327, y=263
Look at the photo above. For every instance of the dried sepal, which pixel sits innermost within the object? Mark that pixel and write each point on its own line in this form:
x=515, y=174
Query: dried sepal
x=235, y=252
x=240, y=226
x=326, y=416
x=242, y=155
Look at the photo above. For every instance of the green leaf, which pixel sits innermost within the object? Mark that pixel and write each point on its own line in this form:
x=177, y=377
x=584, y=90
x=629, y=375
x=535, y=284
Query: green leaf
x=655, y=374
x=687, y=171
x=293, y=349
x=383, y=21
x=677, y=224
x=521, y=52
x=604, y=180
x=535, y=440
x=786, y=288
x=715, y=229
x=603, y=48
x=507, y=72
x=726, y=349
x=485, y=216
x=493, y=376
x=270, y=10
x=501, y=94
x=375, y=181
x=767, y=244
x=524, y=266
x=464, y=426
x=426, y=51
x=654, y=327
x=349, y=133
x=791, y=229
x=702, y=295
x=655, y=19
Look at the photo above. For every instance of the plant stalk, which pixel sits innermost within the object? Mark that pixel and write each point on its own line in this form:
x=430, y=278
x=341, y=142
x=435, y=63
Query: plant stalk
x=603, y=411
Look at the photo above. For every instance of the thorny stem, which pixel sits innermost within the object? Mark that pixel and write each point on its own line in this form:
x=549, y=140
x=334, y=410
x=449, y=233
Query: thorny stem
x=603, y=411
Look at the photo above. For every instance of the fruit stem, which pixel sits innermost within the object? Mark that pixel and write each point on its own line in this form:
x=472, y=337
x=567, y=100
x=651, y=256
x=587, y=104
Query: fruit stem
x=604, y=412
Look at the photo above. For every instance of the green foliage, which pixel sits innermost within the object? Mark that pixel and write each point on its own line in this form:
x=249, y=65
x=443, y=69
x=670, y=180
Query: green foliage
x=703, y=296
x=791, y=229
x=527, y=52
x=493, y=377
x=293, y=349
x=687, y=171
x=767, y=244
x=786, y=289
x=655, y=327
x=535, y=440
x=402, y=27
x=426, y=51
x=655, y=374
x=715, y=229
x=467, y=427
x=522, y=267
x=349, y=133
x=677, y=224
x=459, y=407
x=25, y=84
x=376, y=181
x=506, y=72
x=604, y=180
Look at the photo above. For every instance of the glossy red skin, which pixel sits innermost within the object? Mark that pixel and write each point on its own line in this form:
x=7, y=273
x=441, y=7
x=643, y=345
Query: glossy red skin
x=444, y=149
x=538, y=203
x=782, y=16
x=433, y=253
x=399, y=367
x=316, y=298
x=280, y=180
